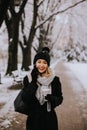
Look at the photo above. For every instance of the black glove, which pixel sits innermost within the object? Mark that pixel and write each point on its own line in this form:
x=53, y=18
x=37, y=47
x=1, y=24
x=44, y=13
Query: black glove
x=25, y=81
x=55, y=101
x=50, y=98
x=31, y=87
x=34, y=74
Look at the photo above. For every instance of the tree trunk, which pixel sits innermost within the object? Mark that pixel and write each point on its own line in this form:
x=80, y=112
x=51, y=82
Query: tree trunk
x=3, y=9
x=15, y=45
x=32, y=32
x=13, y=31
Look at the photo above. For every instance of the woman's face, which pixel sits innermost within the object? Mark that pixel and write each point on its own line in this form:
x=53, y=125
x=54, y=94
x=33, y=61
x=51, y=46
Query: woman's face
x=41, y=66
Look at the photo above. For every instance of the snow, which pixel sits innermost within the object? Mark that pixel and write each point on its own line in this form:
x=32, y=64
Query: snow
x=7, y=97
x=80, y=71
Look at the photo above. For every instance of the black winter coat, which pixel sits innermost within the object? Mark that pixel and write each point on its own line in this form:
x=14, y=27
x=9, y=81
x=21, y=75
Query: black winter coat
x=39, y=118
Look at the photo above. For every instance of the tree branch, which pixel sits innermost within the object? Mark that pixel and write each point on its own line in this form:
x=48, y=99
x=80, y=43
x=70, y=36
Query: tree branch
x=59, y=12
x=40, y=3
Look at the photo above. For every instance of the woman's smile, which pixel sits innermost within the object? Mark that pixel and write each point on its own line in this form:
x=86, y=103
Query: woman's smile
x=41, y=65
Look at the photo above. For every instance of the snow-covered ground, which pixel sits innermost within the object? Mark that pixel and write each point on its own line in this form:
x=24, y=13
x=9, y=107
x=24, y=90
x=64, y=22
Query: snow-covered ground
x=80, y=71
x=7, y=96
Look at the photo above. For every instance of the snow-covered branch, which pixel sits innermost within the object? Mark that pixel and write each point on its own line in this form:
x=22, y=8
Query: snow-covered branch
x=59, y=12
x=40, y=3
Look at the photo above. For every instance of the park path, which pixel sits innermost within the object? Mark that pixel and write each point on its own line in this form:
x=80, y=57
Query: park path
x=70, y=114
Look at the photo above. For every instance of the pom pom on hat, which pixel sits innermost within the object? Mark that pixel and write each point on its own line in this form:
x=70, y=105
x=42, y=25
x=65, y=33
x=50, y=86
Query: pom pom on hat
x=45, y=49
x=43, y=54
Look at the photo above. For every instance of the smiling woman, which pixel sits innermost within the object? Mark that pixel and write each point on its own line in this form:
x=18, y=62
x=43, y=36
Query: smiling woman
x=43, y=93
x=42, y=66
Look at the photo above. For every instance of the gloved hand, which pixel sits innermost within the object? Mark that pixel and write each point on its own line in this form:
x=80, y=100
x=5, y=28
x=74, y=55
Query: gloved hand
x=31, y=87
x=50, y=98
x=55, y=101
x=25, y=81
x=34, y=74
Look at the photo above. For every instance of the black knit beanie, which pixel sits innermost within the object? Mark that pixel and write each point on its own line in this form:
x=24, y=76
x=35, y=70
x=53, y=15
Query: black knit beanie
x=43, y=54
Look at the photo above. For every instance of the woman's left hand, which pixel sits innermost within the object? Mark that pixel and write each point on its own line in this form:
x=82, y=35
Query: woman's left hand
x=50, y=98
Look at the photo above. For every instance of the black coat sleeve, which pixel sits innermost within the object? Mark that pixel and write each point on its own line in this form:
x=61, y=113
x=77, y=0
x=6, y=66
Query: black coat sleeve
x=28, y=91
x=56, y=98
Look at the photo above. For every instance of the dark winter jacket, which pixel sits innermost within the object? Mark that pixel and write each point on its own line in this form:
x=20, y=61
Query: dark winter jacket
x=39, y=118
x=32, y=102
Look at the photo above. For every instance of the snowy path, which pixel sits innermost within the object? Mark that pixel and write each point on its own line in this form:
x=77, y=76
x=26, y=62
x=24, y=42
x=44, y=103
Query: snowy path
x=73, y=112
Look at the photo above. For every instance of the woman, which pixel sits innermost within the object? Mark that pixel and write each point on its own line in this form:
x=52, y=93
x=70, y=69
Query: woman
x=42, y=94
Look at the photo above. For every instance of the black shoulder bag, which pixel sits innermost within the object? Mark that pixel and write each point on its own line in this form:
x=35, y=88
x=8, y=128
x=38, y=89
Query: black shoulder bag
x=19, y=105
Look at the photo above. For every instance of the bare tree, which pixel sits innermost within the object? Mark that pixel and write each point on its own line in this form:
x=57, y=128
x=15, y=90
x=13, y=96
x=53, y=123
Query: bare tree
x=44, y=13
x=12, y=21
x=26, y=45
x=47, y=8
x=42, y=20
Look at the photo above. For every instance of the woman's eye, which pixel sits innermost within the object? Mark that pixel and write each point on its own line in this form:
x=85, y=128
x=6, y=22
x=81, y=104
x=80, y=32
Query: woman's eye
x=44, y=62
x=39, y=61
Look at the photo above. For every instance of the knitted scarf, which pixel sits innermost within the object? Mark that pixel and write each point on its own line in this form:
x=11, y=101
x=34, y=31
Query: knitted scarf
x=44, y=88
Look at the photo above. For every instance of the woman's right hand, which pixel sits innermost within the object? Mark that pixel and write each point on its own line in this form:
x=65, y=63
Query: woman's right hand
x=25, y=81
x=34, y=74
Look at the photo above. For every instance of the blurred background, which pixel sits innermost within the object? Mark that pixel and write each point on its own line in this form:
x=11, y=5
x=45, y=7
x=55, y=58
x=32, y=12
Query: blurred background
x=28, y=25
